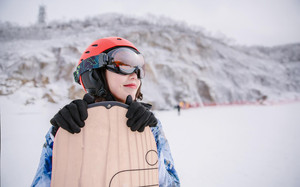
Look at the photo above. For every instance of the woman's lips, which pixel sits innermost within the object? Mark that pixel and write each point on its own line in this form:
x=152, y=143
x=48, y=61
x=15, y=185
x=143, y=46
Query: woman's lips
x=130, y=86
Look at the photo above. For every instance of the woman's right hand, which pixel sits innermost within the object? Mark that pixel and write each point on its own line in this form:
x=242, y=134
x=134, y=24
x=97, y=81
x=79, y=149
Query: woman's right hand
x=72, y=116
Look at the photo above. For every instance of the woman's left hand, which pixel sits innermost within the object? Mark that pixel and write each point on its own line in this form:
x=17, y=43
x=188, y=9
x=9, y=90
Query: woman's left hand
x=139, y=116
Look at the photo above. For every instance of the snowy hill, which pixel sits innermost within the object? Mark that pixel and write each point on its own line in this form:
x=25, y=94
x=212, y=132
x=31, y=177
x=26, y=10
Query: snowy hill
x=183, y=63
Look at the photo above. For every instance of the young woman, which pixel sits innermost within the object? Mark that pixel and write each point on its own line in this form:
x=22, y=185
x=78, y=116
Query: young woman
x=110, y=69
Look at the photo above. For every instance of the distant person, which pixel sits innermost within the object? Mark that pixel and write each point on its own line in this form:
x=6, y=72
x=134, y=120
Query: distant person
x=262, y=100
x=117, y=77
x=178, y=109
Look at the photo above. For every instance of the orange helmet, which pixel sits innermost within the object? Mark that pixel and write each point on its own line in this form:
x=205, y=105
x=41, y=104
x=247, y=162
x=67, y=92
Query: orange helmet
x=103, y=45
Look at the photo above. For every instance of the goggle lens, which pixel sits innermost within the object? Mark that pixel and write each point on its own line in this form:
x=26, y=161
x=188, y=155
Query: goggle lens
x=126, y=61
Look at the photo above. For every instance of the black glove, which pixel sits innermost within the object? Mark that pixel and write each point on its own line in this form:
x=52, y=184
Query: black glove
x=72, y=116
x=139, y=115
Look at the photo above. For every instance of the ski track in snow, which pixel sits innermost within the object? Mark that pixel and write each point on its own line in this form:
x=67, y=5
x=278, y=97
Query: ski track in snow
x=213, y=146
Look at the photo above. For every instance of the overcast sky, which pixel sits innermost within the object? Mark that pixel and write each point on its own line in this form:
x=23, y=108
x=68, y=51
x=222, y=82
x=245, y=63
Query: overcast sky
x=248, y=22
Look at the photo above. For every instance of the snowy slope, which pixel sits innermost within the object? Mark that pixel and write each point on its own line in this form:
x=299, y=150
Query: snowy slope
x=236, y=146
x=183, y=63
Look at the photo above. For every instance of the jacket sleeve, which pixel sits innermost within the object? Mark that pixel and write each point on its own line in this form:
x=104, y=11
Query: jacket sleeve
x=168, y=176
x=43, y=175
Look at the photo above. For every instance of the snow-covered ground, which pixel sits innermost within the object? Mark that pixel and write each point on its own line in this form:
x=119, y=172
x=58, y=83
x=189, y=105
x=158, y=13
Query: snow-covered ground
x=236, y=146
x=230, y=146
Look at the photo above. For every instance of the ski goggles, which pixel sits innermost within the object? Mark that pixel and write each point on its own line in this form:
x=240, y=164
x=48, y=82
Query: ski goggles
x=122, y=60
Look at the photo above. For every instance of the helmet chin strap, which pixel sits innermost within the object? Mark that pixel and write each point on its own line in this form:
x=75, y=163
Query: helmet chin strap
x=105, y=90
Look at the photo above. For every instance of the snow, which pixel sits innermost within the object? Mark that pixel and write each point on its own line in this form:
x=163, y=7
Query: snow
x=221, y=146
x=236, y=146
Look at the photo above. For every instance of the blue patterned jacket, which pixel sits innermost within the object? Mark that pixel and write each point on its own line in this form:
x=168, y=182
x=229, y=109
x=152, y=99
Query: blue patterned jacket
x=168, y=176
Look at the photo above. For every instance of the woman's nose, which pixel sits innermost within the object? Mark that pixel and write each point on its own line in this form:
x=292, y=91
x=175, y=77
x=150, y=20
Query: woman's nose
x=133, y=75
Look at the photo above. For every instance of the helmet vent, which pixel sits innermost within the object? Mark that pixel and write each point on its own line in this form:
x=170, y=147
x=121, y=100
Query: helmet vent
x=95, y=45
x=87, y=52
x=119, y=38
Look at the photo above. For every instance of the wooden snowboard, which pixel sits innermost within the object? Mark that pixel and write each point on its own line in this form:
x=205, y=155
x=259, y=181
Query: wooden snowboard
x=106, y=153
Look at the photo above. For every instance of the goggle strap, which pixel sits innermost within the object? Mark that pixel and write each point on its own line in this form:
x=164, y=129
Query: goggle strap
x=88, y=64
